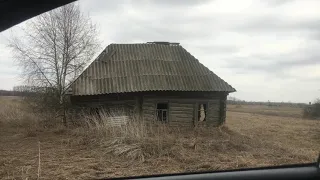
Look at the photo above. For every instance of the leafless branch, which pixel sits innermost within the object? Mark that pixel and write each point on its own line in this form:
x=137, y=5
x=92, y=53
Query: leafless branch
x=55, y=48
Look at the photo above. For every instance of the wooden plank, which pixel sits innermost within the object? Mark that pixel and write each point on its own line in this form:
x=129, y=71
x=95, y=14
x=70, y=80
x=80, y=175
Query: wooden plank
x=149, y=103
x=181, y=113
x=213, y=110
x=213, y=118
x=178, y=112
x=149, y=114
x=186, y=116
x=178, y=100
x=181, y=118
x=216, y=103
x=180, y=122
x=182, y=104
x=181, y=110
x=181, y=96
x=213, y=106
x=189, y=113
x=148, y=110
x=149, y=118
x=118, y=120
x=215, y=114
x=148, y=106
x=145, y=106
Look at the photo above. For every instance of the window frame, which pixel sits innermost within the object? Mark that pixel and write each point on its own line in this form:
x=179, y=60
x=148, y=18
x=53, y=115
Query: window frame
x=168, y=111
x=198, y=110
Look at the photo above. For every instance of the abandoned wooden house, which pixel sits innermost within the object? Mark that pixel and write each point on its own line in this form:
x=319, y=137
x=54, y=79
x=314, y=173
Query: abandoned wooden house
x=159, y=81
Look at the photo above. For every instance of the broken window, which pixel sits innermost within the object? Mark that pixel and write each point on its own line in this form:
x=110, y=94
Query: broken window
x=202, y=112
x=162, y=112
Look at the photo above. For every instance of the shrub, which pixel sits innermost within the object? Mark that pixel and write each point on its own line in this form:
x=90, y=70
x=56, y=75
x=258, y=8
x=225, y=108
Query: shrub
x=312, y=111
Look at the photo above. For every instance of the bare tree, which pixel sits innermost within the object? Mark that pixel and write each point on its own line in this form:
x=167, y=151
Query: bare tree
x=55, y=48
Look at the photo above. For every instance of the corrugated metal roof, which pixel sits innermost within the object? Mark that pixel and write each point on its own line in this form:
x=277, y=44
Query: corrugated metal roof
x=146, y=67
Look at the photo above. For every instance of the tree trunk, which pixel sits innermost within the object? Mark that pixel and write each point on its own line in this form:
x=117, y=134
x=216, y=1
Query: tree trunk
x=63, y=108
x=64, y=118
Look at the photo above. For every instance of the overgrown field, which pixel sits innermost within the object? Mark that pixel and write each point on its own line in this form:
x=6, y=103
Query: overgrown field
x=250, y=138
x=283, y=111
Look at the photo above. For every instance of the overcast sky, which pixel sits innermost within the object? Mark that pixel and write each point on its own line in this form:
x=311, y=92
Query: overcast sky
x=267, y=49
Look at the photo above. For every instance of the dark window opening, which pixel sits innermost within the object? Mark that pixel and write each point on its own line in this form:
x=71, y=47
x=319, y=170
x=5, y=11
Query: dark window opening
x=202, y=112
x=162, y=112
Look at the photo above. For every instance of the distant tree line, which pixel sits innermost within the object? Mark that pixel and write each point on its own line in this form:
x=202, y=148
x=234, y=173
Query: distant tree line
x=236, y=101
x=24, y=91
x=12, y=93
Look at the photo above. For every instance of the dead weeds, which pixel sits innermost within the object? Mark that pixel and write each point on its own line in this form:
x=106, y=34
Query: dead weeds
x=96, y=151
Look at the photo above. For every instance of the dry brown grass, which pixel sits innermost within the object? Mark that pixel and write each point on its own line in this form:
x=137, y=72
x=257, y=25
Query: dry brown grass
x=15, y=113
x=98, y=150
x=283, y=111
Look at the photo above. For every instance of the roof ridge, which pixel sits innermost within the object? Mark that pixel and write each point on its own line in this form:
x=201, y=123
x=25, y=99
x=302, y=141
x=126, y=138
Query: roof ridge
x=149, y=43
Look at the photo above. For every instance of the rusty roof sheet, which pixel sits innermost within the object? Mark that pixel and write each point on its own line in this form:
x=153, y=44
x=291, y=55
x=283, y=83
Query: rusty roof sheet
x=124, y=68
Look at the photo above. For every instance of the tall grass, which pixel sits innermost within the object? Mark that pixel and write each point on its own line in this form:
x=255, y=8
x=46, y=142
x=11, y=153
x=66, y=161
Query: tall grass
x=134, y=139
x=15, y=113
x=137, y=140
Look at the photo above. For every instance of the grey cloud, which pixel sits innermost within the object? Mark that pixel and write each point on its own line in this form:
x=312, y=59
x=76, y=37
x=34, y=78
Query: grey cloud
x=275, y=66
x=221, y=49
x=273, y=63
x=109, y=6
x=164, y=27
x=145, y=30
x=191, y=29
x=308, y=25
x=278, y=24
x=103, y=6
x=180, y=3
x=313, y=79
x=168, y=22
x=277, y=2
x=144, y=33
x=308, y=60
x=314, y=36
